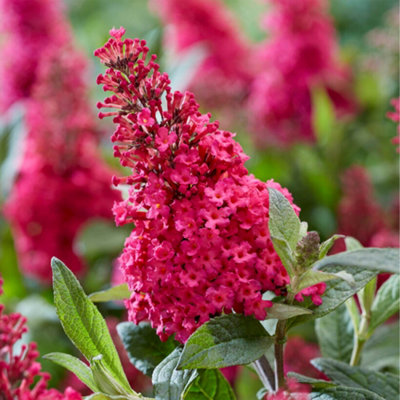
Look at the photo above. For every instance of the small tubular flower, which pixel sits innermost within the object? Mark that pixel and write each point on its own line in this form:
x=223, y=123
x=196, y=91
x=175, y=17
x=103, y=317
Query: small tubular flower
x=203, y=255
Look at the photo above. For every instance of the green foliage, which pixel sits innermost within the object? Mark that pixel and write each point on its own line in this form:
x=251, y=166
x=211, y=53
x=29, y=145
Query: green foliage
x=232, y=339
x=337, y=292
x=169, y=382
x=73, y=364
x=284, y=228
x=284, y=311
x=311, y=277
x=374, y=259
x=83, y=323
x=209, y=385
x=115, y=293
x=335, y=334
x=386, y=302
x=382, y=349
x=344, y=393
x=384, y=385
x=144, y=347
x=327, y=245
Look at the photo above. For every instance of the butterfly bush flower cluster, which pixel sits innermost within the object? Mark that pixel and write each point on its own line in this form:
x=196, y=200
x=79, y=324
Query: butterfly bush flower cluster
x=28, y=26
x=300, y=54
x=62, y=181
x=200, y=246
x=20, y=374
x=209, y=25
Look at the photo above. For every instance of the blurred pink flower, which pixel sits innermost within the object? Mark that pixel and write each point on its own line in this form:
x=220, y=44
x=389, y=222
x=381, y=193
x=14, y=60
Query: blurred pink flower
x=224, y=74
x=300, y=54
x=62, y=181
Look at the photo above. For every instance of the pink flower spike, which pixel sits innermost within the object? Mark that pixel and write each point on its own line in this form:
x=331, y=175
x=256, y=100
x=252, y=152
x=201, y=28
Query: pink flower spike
x=191, y=255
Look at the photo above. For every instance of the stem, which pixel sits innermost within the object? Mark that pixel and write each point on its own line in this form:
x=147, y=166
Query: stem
x=361, y=338
x=266, y=373
x=356, y=354
x=280, y=338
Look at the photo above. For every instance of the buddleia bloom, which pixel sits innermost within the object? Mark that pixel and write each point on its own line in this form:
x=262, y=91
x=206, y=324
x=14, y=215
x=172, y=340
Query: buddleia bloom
x=20, y=373
x=300, y=54
x=28, y=26
x=200, y=246
x=221, y=77
x=62, y=181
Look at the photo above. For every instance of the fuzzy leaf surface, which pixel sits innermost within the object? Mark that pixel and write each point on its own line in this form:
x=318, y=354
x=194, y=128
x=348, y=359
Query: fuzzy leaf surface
x=374, y=259
x=384, y=385
x=168, y=382
x=75, y=365
x=344, y=393
x=209, y=385
x=382, y=349
x=335, y=334
x=285, y=311
x=115, y=293
x=144, y=347
x=386, y=302
x=336, y=293
x=284, y=227
x=224, y=341
x=311, y=277
x=82, y=321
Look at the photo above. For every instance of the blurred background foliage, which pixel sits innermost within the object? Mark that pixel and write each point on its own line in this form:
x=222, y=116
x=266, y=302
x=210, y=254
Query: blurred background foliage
x=311, y=172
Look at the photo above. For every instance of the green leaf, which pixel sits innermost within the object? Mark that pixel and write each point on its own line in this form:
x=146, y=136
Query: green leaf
x=82, y=322
x=144, y=347
x=209, y=385
x=374, y=259
x=366, y=296
x=386, y=303
x=75, y=365
x=169, y=383
x=352, y=243
x=385, y=385
x=327, y=245
x=344, y=393
x=284, y=227
x=120, y=292
x=284, y=311
x=382, y=349
x=232, y=339
x=335, y=334
x=336, y=293
x=311, y=277
x=354, y=313
x=315, y=383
